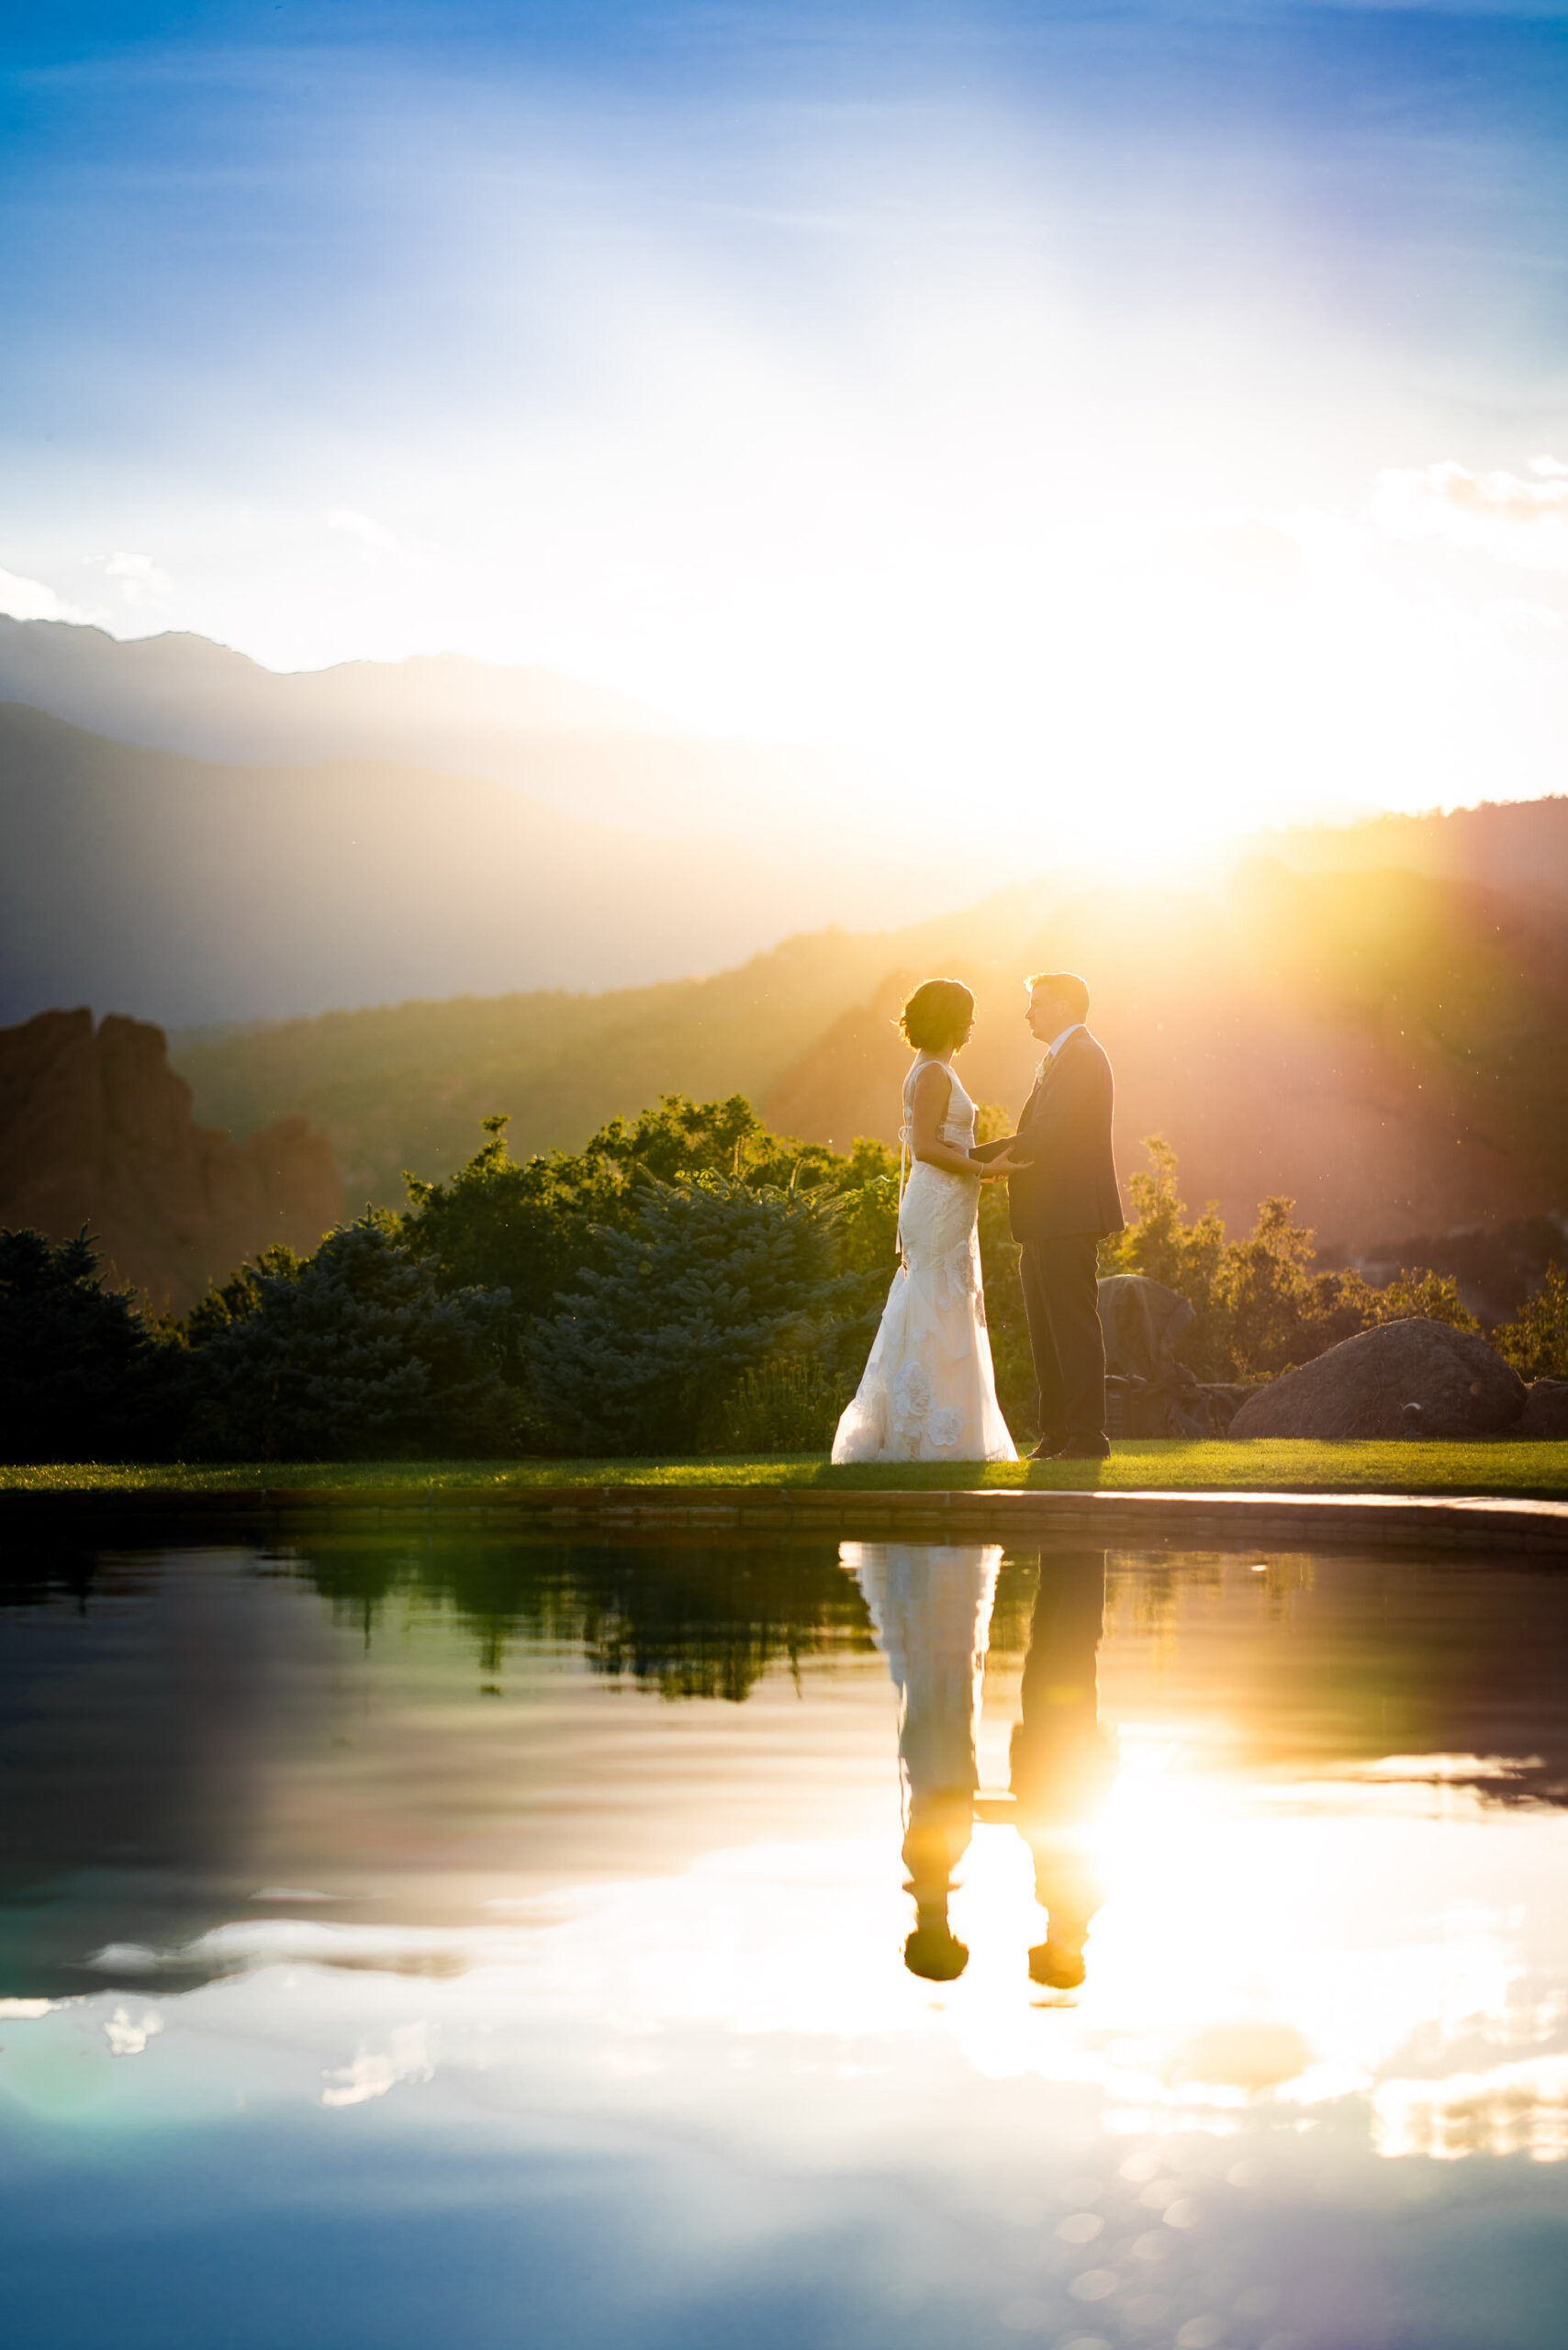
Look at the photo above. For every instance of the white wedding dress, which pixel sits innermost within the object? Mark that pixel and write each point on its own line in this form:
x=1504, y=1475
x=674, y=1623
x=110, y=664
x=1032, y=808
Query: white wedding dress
x=928, y=1391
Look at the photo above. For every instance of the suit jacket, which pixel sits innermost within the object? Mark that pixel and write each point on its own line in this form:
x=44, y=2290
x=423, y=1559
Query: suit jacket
x=1069, y=1184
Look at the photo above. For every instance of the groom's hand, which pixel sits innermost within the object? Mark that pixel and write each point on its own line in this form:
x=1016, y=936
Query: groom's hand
x=1006, y=1164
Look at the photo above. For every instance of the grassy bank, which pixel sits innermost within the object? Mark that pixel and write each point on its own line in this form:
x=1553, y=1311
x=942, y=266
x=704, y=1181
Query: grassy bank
x=1539, y=1470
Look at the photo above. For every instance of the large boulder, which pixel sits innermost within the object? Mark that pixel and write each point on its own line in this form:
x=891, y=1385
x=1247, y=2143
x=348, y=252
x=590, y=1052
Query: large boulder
x=1413, y=1378
x=1546, y=1409
x=1142, y=1321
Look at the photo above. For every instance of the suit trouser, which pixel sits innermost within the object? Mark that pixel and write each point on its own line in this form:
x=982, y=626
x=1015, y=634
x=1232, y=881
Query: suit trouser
x=1062, y=1303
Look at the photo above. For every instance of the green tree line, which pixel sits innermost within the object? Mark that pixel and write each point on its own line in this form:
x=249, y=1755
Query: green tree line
x=688, y=1281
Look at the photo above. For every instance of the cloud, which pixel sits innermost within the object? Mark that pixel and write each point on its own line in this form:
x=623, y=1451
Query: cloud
x=30, y=599
x=1251, y=550
x=138, y=575
x=359, y=526
x=1499, y=514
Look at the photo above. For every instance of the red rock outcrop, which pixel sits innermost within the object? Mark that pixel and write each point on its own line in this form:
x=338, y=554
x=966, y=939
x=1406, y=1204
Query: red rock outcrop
x=96, y=1129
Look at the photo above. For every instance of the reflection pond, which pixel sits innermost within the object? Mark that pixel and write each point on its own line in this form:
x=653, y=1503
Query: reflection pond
x=416, y=1942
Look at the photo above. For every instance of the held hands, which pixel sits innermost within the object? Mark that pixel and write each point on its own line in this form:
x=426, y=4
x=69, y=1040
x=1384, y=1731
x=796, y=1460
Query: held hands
x=991, y=1169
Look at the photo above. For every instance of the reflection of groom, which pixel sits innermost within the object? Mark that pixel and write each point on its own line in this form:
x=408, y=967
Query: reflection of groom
x=1063, y=1762
x=1062, y=1196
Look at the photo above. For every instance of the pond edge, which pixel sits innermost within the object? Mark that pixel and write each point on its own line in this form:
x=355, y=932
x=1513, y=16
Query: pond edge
x=1362, y=1521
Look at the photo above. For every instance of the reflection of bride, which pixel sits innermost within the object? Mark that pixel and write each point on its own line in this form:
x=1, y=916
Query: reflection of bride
x=930, y=1604
x=928, y=1391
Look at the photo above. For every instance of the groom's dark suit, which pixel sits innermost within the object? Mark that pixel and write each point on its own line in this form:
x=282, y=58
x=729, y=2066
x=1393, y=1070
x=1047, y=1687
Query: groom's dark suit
x=1063, y=1202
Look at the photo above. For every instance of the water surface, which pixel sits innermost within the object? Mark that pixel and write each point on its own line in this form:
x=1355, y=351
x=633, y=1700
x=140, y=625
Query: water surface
x=496, y=1941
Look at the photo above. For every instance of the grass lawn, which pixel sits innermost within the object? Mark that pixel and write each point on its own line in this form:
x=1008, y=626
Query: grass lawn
x=1539, y=1471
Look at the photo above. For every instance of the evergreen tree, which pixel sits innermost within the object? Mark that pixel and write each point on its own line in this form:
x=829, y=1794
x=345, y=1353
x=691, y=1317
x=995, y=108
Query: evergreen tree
x=353, y=1352
x=83, y=1375
x=711, y=1278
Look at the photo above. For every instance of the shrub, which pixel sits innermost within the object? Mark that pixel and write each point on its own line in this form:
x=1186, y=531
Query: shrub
x=1263, y=1293
x=1422, y=1296
x=1187, y=1258
x=353, y=1353
x=788, y=1406
x=531, y=1228
x=83, y=1375
x=1261, y=1308
x=712, y=1279
x=1536, y=1343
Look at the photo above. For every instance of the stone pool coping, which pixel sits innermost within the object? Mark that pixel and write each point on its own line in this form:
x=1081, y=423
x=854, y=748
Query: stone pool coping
x=1179, y=1518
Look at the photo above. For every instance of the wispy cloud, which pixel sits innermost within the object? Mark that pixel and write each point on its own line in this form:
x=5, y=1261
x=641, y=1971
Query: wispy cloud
x=352, y=525
x=1499, y=514
x=31, y=600
x=139, y=578
x=996, y=390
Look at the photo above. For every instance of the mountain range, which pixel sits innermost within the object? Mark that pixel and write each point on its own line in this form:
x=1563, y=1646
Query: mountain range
x=675, y=851
x=1369, y=1018
x=1384, y=1046
x=195, y=892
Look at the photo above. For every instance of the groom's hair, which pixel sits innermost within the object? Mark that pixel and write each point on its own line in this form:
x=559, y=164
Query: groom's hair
x=1069, y=990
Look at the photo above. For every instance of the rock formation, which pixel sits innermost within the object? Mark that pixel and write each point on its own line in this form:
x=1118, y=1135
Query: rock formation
x=1546, y=1409
x=96, y=1129
x=1400, y=1379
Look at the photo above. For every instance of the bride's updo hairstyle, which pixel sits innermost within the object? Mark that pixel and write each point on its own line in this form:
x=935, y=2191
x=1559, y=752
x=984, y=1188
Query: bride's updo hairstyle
x=939, y=1013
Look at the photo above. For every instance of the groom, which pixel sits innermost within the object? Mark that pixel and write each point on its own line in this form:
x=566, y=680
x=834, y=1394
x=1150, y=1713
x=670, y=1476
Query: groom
x=1062, y=1196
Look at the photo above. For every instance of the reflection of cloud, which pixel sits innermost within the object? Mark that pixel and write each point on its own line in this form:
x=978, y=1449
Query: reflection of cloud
x=1499, y=514
x=129, y=2036
x=1443, y=1770
x=400, y=1949
x=406, y=2058
x=1242, y=2055
x=1512, y=2108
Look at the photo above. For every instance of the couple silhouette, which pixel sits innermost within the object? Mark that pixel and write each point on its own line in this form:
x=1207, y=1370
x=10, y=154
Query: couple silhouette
x=931, y=1606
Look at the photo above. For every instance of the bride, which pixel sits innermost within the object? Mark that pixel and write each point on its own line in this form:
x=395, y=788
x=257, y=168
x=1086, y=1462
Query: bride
x=928, y=1391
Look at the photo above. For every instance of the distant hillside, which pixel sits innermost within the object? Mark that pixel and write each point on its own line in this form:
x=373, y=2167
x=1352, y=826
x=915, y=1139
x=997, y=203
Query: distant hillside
x=188, y=891
x=584, y=753
x=407, y=1086
x=1519, y=846
x=1384, y=1046
x=223, y=705
x=567, y=745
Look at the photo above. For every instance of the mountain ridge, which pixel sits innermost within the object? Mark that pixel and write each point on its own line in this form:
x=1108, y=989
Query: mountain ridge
x=1383, y=1047
x=192, y=890
x=580, y=748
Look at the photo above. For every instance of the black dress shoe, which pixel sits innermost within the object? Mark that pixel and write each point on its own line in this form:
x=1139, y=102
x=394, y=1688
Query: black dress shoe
x=1082, y=1452
x=1047, y=1449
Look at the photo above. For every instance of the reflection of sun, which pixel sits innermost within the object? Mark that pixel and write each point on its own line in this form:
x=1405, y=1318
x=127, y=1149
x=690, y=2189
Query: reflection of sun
x=1283, y=1942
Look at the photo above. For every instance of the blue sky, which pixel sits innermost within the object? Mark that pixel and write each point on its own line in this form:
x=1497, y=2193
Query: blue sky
x=932, y=379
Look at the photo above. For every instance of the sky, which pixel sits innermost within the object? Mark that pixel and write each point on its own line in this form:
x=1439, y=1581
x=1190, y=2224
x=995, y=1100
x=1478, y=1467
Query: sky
x=1109, y=422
